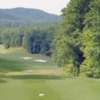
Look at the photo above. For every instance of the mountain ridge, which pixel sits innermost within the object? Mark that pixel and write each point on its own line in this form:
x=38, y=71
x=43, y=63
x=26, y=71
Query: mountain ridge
x=27, y=15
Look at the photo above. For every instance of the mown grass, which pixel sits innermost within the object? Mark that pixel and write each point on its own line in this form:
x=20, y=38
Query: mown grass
x=21, y=88
x=16, y=84
x=28, y=87
x=13, y=62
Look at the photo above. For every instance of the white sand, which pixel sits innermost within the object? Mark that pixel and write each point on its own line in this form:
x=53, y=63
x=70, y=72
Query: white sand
x=41, y=94
x=40, y=60
x=26, y=58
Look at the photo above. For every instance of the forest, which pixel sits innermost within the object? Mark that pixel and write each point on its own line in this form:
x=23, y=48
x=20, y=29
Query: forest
x=20, y=16
x=76, y=45
x=73, y=42
x=36, y=39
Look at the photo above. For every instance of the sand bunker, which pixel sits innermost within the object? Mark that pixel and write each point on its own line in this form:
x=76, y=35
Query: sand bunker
x=26, y=58
x=40, y=60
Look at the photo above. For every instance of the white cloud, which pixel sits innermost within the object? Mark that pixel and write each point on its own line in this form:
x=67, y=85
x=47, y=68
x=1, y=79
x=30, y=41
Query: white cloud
x=51, y=6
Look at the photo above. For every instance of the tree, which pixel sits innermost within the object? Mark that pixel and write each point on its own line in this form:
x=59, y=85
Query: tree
x=26, y=42
x=91, y=41
x=34, y=38
x=67, y=40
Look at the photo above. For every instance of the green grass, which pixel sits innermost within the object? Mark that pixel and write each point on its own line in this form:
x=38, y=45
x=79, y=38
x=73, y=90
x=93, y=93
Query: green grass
x=12, y=62
x=16, y=84
x=28, y=87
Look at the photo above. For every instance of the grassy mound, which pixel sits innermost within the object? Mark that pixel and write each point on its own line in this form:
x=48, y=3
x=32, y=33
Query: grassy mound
x=13, y=50
x=17, y=50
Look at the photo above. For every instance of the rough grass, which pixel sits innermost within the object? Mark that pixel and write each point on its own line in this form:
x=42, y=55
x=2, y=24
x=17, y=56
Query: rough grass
x=1, y=48
x=18, y=84
x=17, y=50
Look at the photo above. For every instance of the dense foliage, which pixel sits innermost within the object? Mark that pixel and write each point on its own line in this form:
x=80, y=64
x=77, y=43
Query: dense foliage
x=76, y=46
x=91, y=41
x=36, y=39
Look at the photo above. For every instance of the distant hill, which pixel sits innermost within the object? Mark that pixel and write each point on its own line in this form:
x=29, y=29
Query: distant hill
x=26, y=16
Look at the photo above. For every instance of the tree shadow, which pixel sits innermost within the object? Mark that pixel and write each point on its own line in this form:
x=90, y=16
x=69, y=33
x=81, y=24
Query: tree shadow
x=9, y=65
x=44, y=77
x=2, y=80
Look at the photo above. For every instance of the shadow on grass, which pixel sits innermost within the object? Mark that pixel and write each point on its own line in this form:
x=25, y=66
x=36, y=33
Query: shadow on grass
x=9, y=65
x=2, y=81
x=45, y=77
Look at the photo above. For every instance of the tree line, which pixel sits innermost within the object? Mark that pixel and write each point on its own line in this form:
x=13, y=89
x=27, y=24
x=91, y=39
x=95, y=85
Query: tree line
x=35, y=38
x=76, y=45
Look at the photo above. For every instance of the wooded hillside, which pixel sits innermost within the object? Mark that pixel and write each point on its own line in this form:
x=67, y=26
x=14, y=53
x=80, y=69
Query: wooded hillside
x=21, y=16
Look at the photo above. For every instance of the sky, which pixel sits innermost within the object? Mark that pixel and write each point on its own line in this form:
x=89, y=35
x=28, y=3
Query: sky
x=50, y=6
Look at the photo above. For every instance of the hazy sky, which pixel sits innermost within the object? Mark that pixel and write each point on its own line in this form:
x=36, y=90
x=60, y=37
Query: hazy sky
x=51, y=6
